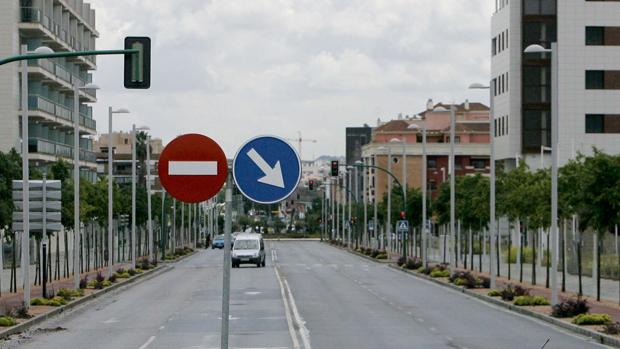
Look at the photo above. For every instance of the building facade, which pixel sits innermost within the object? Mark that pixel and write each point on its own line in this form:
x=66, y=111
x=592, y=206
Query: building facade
x=403, y=138
x=121, y=158
x=588, y=37
x=62, y=25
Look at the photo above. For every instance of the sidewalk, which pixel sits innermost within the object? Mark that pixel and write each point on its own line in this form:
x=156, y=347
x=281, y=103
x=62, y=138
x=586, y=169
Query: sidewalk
x=10, y=301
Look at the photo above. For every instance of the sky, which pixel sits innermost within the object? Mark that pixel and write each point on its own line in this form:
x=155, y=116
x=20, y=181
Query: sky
x=235, y=69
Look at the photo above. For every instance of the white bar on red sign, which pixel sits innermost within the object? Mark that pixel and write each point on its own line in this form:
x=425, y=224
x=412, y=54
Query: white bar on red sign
x=192, y=168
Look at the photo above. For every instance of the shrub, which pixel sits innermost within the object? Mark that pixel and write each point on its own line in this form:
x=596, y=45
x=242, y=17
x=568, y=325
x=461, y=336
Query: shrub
x=401, y=261
x=99, y=277
x=464, y=278
x=39, y=301
x=20, y=312
x=426, y=270
x=7, y=321
x=112, y=278
x=106, y=283
x=139, y=271
x=123, y=275
x=494, y=293
x=509, y=292
x=92, y=284
x=84, y=282
x=592, y=319
x=484, y=282
x=612, y=328
x=440, y=273
x=413, y=263
x=132, y=272
x=121, y=270
x=382, y=255
x=375, y=253
x=69, y=294
x=530, y=300
x=570, y=308
x=57, y=301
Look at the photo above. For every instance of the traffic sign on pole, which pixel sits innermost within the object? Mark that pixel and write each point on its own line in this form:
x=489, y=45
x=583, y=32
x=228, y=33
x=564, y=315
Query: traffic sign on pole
x=267, y=169
x=402, y=226
x=192, y=168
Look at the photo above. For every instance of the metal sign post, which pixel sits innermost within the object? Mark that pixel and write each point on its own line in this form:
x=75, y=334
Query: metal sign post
x=226, y=281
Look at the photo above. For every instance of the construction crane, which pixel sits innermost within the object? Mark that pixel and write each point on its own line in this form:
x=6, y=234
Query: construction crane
x=299, y=141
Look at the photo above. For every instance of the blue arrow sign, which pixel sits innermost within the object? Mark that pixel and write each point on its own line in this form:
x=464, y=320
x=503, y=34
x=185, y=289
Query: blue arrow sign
x=267, y=169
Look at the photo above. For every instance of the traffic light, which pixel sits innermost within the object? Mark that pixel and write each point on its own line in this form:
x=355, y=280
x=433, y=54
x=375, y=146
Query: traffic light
x=138, y=65
x=334, y=171
x=311, y=185
x=403, y=215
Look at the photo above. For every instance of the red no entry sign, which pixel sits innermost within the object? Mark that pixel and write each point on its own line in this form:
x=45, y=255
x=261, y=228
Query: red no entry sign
x=192, y=168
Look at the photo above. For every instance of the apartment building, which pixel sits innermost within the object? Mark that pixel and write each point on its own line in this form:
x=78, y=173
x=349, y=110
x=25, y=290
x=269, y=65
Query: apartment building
x=403, y=136
x=588, y=37
x=62, y=25
x=122, y=143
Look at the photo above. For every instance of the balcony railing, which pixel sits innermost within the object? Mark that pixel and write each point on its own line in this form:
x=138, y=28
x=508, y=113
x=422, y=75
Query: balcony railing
x=30, y=15
x=36, y=102
x=44, y=146
x=88, y=123
x=40, y=103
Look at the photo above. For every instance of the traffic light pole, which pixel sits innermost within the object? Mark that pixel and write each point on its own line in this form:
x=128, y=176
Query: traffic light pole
x=66, y=54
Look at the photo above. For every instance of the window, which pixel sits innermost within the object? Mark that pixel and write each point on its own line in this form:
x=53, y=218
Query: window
x=599, y=123
x=494, y=46
x=536, y=84
x=478, y=163
x=432, y=163
x=432, y=185
x=603, y=36
x=603, y=80
x=539, y=7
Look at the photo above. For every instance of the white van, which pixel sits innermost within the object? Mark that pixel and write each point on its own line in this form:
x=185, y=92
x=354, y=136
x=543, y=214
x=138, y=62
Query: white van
x=248, y=249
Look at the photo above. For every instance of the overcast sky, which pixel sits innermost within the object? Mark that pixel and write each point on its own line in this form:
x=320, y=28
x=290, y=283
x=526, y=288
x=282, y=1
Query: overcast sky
x=234, y=69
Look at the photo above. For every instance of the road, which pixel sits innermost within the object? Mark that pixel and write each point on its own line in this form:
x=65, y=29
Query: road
x=318, y=296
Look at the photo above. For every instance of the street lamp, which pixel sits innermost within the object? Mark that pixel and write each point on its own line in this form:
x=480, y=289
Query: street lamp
x=133, y=192
x=492, y=224
x=148, y=192
x=404, y=168
x=25, y=255
x=388, y=231
x=554, y=160
x=110, y=180
x=360, y=164
x=452, y=111
x=76, y=176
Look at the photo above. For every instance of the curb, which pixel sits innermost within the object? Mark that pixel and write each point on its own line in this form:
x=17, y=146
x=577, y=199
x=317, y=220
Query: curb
x=380, y=261
x=597, y=336
x=21, y=327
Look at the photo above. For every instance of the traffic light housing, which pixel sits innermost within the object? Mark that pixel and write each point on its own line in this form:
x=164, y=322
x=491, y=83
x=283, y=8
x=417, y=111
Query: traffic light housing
x=138, y=65
x=311, y=185
x=334, y=169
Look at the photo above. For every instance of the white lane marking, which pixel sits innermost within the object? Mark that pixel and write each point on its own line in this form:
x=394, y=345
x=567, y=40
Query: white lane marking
x=161, y=327
x=289, y=321
x=192, y=168
x=303, y=330
x=111, y=321
x=149, y=341
x=252, y=293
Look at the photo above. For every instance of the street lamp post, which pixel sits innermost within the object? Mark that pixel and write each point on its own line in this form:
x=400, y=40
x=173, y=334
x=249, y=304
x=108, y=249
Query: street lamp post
x=492, y=224
x=110, y=181
x=405, y=241
x=76, y=181
x=424, y=187
x=554, y=160
x=134, y=129
x=349, y=199
x=148, y=196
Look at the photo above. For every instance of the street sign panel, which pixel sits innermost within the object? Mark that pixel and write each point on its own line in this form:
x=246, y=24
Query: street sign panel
x=37, y=206
x=193, y=168
x=37, y=216
x=402, y=226
x=267, y=169
x=37, y=226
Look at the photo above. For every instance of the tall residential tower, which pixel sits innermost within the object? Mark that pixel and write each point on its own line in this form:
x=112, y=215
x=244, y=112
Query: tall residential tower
x=62, y=25
x=588, y=37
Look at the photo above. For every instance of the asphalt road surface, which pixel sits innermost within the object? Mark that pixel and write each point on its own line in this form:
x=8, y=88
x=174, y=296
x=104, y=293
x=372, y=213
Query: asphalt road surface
x=317, y=297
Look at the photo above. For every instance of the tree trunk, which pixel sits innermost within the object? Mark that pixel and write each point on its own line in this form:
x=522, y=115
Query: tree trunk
x=563, y=237
x=598, y=269
x=579, y=267
x=37, y=272
x=535, y=241
x=509, y=252
x=13, y=287
x=480, y=242
x=57, y=274
x=546, y=260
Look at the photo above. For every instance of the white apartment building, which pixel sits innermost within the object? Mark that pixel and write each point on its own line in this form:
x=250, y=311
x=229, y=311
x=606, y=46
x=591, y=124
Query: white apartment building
x=62, y=25
x=588, y=37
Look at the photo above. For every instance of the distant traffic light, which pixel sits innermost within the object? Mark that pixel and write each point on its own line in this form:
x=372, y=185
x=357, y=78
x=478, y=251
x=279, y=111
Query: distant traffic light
x=311, y=184
x=334, y=171
x=403, y=215
x=138, y=65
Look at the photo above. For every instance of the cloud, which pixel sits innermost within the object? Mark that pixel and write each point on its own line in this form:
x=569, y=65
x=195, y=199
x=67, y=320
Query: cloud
x=234, y=68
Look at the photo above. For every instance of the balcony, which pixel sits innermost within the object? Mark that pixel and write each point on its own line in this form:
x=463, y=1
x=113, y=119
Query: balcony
x=55, y=32
x=47, y=147
x=61, y=73
x=39, y=103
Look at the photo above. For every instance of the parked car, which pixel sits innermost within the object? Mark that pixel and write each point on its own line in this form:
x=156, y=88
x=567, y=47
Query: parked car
x=248, y=249
x=218, y=242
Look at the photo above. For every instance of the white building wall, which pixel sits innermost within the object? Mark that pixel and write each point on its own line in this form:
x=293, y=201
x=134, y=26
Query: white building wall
x=9, y=88
x=575, y=58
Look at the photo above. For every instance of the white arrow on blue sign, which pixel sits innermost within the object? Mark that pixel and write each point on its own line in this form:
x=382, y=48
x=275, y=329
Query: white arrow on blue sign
x=267, y=169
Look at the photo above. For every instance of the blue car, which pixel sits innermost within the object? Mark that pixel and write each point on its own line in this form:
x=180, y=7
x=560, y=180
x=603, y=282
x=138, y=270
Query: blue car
x=218, y=242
